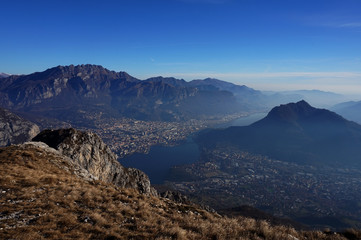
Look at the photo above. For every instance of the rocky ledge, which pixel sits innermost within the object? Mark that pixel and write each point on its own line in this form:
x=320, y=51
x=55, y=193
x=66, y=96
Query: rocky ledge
x=88, y=151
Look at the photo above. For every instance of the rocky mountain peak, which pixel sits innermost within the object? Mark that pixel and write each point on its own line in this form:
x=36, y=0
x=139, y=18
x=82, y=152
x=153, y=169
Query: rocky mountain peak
x=87, y=150
x=89, y=71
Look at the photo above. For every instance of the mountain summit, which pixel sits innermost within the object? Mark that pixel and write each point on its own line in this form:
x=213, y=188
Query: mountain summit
x=299, y=114
x=296, y=132
x=291, y=112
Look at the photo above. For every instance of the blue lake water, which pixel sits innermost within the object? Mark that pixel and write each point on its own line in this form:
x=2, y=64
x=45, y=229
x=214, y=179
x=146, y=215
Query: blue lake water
x=243, y=121
x=158, y=162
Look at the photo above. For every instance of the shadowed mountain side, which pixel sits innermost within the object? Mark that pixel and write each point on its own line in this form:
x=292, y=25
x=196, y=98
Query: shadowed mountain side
x=295, y=132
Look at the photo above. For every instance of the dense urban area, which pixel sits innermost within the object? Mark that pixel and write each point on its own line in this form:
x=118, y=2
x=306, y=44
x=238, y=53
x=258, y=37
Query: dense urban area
x=226, y=178
x=126, y=136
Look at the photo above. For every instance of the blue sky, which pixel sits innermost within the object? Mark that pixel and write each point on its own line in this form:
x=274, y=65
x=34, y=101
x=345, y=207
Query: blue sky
x=267, y=45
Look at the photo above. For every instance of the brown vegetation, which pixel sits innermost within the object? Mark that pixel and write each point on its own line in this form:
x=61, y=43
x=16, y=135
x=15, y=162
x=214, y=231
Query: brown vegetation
x=41, y=198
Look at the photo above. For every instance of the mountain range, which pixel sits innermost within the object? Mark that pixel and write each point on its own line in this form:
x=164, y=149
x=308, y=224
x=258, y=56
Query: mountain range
x=295, y=132
x=350, y=110
x=316, y=98
x=79, y=94
x=73, y=93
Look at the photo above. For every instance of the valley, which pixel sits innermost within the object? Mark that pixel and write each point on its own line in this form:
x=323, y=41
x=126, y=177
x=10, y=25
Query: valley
x=180, y=119
x=297, y=163
x=126, y=136
x=226, y=178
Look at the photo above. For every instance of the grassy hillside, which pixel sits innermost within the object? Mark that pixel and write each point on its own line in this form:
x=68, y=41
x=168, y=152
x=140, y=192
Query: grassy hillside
x=42, y=198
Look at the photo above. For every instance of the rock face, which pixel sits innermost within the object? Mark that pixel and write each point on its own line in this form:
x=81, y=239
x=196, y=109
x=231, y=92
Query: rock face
x=14, y=129
x=88, y=151
x=55, y=157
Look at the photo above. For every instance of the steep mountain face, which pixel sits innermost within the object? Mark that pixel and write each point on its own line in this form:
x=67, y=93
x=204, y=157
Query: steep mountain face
x=296, y=132
x=62, y=91
x=14, y=129
x=88, y=151
x=350, y=110
x=70, y=93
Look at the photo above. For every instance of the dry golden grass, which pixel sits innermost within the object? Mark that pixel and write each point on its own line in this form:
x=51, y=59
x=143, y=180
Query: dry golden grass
x=39, y=200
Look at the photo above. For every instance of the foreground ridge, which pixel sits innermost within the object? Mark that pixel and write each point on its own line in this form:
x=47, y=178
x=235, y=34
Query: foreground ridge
x=43, y=194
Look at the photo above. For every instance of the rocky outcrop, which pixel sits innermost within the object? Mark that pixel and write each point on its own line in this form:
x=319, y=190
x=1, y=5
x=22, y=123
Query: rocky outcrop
x=14, y=129
x=88, y=151
x=42, y=150
x=175, y=196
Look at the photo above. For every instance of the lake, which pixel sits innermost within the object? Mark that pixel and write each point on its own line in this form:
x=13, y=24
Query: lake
x=157, y=163
x=243, y=121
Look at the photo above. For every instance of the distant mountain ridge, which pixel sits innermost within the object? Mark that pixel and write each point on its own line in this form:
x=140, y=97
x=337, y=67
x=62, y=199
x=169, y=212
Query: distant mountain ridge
x=4, y=75
x=350, y=110
x=318, y=98
x=248, y=97
x=65, y=91
x=296, y=132
x=76, y=94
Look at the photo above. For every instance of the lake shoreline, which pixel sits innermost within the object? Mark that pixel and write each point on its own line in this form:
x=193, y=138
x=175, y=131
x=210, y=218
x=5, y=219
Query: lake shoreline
x=158, y=162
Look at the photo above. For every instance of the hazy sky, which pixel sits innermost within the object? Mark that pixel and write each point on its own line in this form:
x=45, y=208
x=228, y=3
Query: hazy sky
x=267, y=45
